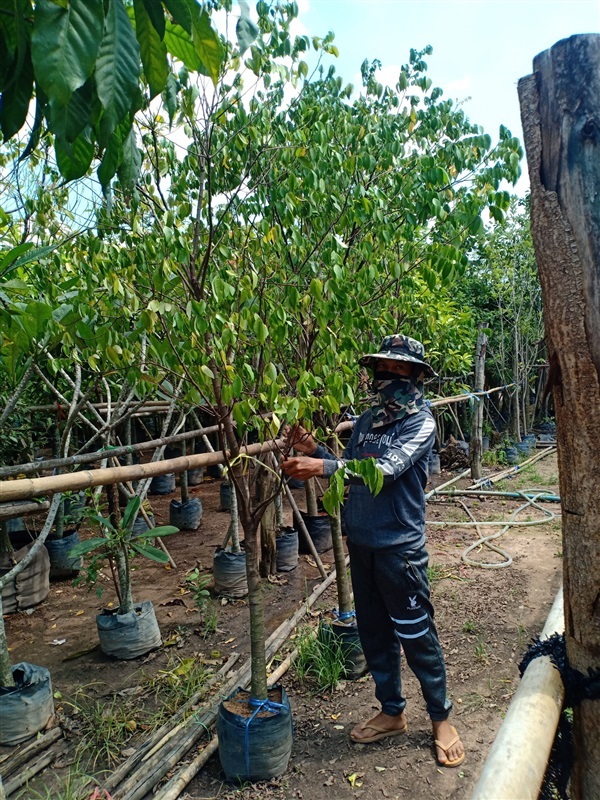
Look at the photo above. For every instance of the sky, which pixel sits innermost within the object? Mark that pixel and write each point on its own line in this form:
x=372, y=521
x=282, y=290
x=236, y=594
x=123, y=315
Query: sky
x=480, y=47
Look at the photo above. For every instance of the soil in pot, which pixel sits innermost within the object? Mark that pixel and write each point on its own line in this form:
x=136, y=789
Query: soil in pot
x=126, y=636
x=31, y=585
x=229, y=572
x=27, y=707
x=255, y=739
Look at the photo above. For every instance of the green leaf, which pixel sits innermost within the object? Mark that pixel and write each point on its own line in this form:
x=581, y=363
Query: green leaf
x=165, y=530
x=16, y=98
x=152, y=49
x=179, y=43
x=207, y=45
x=131, y=163
x=183, y=12
x=169, y=96
x=153, y=553
x=156, y=13
x=64, y=45
x=74, y=159
x=131, y=510
x=67, y=122
x=246, y=30
x=117, y=68
x=33, y=254
x=83, y=548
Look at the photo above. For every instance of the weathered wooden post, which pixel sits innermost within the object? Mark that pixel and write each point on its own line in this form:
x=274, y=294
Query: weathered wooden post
x=475, y=444
x=560, y=110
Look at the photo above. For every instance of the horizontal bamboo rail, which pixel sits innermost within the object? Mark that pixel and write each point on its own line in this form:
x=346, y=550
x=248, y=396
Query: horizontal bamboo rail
x=26, y=488
x=518, y=757
x=98, y=455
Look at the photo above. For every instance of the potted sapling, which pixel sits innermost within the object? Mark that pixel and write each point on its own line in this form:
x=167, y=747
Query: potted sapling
x=131, y=630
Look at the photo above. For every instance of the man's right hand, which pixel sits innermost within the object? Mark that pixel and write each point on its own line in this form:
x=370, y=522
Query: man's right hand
x=300, y=439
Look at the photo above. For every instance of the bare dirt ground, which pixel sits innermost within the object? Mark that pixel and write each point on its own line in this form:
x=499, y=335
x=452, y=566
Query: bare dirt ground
x=485, y=617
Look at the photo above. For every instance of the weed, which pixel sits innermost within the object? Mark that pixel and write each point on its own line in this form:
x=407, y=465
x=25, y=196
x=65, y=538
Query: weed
x=320, y=659
x=437, y=573
x=197, y=583
x=522, y=634
x=174, y=685
x=72, y=786
x=481, y=651
x=470, y=627
x=106, y=725
x=473, y=702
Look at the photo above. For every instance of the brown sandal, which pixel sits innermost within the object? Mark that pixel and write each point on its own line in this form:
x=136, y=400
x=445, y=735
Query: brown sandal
x=455, y=762
x=379, y=733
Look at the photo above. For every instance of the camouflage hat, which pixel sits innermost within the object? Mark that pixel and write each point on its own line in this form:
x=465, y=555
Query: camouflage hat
x=399, y=348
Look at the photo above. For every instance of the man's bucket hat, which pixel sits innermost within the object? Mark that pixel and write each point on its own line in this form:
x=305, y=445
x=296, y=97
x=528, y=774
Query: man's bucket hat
x=399, y=348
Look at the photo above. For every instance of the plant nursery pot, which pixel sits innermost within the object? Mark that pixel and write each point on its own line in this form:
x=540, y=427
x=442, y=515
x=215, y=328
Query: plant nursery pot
x=345, y=636
x=61, y=563
x=485, y=444
x=140, y=525
x=195, y=476
x=229, y=572
x=255, y=740
x=126, y=636
x=31, y=586
x=287, y=549
x=435, y=467
x=185, y=516
x=319, y=529
x=163, y=484
x=27, y=707
x=512, y=455
x=523, y=448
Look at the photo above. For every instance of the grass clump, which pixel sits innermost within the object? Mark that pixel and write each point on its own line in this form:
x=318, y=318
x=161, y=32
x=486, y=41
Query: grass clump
x=320, y=660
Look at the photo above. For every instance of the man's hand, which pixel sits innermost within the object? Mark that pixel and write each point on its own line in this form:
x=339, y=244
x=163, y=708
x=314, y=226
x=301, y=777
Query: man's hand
x=302, y=467
x=300, y=439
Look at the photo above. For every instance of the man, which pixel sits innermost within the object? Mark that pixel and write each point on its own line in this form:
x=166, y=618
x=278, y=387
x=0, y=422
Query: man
x=386, y=541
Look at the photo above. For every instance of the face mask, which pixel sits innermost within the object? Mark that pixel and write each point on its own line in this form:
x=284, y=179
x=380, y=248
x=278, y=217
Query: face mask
x=395, y=397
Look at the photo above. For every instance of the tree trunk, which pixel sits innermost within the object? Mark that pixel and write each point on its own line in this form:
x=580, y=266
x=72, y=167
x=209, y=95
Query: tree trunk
x=341, y=574
x=515, y=404
x=311, y=498
x=183, y=478
x=475, y=446
x=560, y=109
x=268, y=524
x=6, y=676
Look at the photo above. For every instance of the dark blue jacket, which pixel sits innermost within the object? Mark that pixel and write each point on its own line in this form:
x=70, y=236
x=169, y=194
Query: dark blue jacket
x=395, y=518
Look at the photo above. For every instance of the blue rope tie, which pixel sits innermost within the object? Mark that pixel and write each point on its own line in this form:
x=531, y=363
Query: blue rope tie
x=266, y=705
x=343, y=616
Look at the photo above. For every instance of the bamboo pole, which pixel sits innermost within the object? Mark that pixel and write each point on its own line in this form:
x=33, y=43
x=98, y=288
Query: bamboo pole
x=518, y=757
x=26, y=488
x=31, y=770
x=448, y=483
x=24, y=754
x=99, y=455
x=304, y=530
x=512, y=470
x=12, y=510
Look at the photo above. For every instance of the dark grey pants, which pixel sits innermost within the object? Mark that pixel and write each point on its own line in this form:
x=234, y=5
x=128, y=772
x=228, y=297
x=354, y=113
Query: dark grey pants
x=393, y=608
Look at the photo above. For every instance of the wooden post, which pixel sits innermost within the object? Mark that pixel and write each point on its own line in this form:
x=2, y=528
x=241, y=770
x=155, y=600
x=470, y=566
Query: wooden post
x=475, y=446
x=560, y=111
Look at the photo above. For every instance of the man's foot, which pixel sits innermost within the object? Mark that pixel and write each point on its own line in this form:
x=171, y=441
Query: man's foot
x=449, y=750
x=379, y=727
